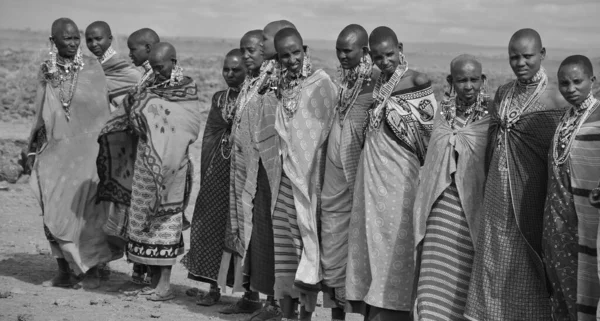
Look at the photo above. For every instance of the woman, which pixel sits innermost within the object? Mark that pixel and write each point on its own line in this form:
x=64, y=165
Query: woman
x=72, y=107
x=211, y=213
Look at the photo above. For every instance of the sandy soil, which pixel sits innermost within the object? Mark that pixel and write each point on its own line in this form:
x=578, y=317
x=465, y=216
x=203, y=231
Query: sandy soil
x=25, y=262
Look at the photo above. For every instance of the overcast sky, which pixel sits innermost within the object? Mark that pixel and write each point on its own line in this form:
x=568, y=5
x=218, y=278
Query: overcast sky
x=562, y=24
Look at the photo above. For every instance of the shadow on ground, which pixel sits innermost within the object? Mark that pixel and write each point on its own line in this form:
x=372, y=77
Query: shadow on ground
x=34, y=269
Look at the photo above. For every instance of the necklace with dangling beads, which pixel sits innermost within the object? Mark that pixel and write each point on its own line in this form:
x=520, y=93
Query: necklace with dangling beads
x=68, y=74
x=228, y=109
x=292, y=83
x=382, y=92
x=228, y=112
x=250, y=88
x=355, y=76
x=569, y=125
x=291, y=88
x=473, y=112
x=509, y=117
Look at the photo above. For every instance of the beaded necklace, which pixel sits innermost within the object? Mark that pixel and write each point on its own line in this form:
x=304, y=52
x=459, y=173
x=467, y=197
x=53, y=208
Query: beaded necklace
x=249, y=89
x=148, y=72
x=228, y=105
x=291, y=88
x=569, y=125
x=67, y=74
x=473, y=112
x=109, y=53
x=382, y=92
x=228, y=110
x=291, y=85
x=509, y=117
x=355, y=76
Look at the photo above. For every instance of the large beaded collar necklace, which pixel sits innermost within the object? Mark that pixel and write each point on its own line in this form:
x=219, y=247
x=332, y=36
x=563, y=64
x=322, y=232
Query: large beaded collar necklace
x=63, y=73
x=147, y=73
x=109, y=53
x=250, y=88
x=569, y=126
x=509, y=116
x=291, y=85
x=382, y=92
x=351, y=83
x=472, y=112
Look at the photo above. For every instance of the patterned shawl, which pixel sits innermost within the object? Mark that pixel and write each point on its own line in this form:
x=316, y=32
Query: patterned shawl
x=243, y=178
x=160, y=126
x=302, y=141
x=436, y=175
x=353, y=138
x=254, y=138
x=585, y=169
x=527, y=145
x=215, y=130
x=120, y=77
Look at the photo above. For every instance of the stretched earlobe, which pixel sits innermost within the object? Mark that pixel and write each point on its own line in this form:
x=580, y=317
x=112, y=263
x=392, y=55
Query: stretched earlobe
x=365, y=50
x=449, y=79
x=401, y=47
x=543, y=53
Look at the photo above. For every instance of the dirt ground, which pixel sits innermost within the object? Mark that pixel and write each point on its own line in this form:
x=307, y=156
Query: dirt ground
x=25, y=262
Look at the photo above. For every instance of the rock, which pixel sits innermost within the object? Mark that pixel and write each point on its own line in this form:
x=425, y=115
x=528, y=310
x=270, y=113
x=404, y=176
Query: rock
x=9, y=172
x=155, y=315
x=5, y=294
x=25, y=317
x=94, y=301
x=17, y=291
x=61, y=302
x=24, y=179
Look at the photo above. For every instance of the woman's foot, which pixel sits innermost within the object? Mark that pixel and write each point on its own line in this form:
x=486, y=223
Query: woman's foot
x=165, y=296
x=61, y=280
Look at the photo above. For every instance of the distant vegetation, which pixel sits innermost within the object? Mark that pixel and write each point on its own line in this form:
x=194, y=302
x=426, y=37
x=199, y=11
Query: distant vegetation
x=21, y=53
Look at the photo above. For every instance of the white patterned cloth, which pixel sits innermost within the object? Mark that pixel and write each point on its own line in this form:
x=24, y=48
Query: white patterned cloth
x=380, y=269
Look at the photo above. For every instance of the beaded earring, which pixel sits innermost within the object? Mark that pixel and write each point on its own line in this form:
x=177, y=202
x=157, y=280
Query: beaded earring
x=79, y=59
x=368, y=65
x=176, y=74
x=402, y=58
x=53, y=52
x=450, y=93
x=306, y=64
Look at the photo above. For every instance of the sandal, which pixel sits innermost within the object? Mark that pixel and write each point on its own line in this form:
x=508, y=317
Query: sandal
x=157, y=297
x=147, y=291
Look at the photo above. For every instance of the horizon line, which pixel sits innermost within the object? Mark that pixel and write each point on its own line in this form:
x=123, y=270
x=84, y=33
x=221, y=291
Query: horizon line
x=317, y=39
